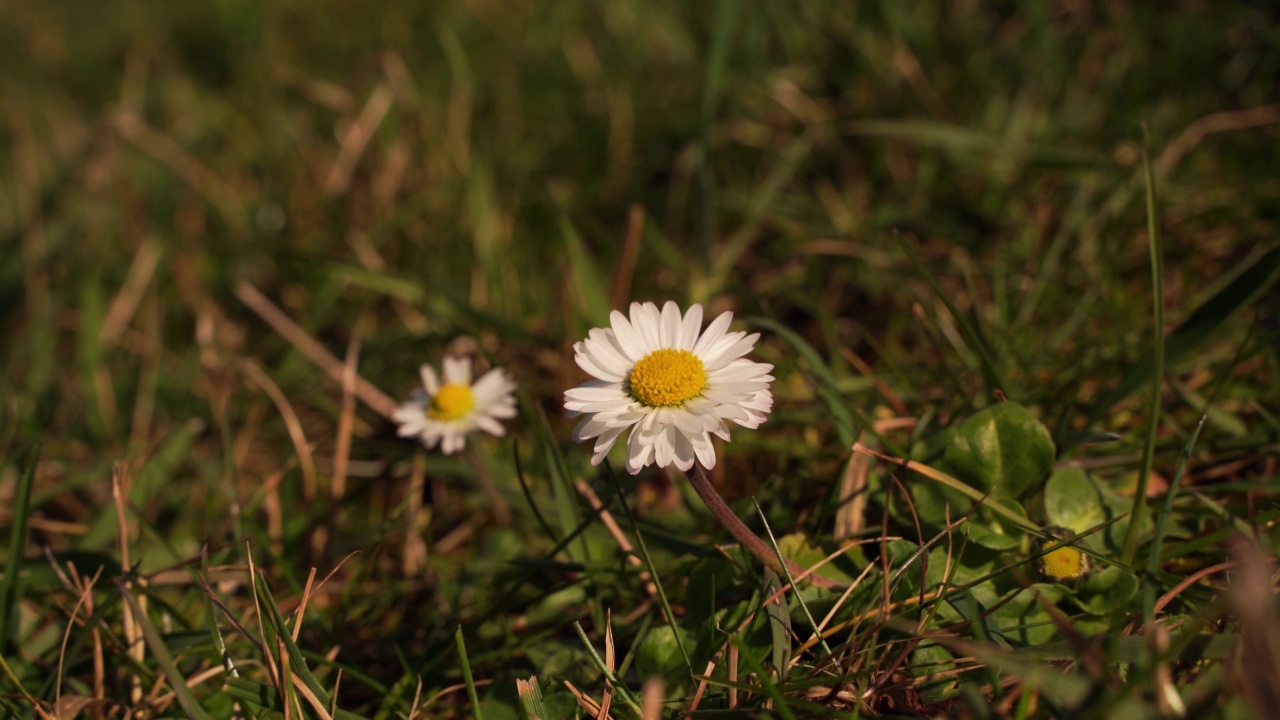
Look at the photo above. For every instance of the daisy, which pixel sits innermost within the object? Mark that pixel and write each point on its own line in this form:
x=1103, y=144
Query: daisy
x=445, y=412
x=673, y=384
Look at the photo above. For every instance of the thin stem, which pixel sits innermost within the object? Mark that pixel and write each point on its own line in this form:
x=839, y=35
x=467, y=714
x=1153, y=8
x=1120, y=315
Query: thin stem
x=740, y=531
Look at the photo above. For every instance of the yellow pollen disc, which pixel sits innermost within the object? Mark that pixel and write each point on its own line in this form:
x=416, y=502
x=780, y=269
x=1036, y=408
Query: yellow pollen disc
x=1065, y=563
x=668, y=378
x=452, y=402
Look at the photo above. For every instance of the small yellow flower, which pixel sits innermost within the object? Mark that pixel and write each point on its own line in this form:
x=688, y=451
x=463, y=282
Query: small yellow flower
x=445, y=412
x=1062, y=563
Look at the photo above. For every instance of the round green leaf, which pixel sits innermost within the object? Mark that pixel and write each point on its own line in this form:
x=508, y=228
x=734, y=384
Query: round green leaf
x=1003, y=447
x=659, y=654
x=1109, y=590
x=1072, y=501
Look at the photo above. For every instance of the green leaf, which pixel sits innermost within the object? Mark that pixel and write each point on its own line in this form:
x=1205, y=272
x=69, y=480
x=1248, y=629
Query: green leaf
x=1108, y=591
x=659, y=654
x=797, y=548
x=1072, y=501
x=929, y=661
x=1004, y=448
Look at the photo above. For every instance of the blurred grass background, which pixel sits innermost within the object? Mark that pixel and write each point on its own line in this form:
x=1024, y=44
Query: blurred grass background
x=492, y=177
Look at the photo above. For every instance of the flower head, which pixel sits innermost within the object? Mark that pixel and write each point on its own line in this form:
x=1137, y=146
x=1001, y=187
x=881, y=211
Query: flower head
x=444, y=412
x=672, y=383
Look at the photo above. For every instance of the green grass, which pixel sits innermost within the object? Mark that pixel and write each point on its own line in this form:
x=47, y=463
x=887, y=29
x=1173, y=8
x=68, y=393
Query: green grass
x=927, y=209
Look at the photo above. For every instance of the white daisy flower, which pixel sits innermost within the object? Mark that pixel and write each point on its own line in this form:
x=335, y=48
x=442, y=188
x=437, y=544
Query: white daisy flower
x=672, y=384
x=445, y=412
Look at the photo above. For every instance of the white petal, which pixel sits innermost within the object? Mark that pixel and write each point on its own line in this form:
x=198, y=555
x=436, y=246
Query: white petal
x=587, y=428
x=596, y=369
x=429, y=380
x=604, y=444
x=645, y=319
x=706, y=452
x=639, y=453
x=489, y=425
x=628, y=339
x=663, y=452
x=491, y=386
x=669, y=325
x=603, y=345
x=409, y=429
x=740, y=370
x=683, y=452
x=504, y=411
x=725, y=355
x=595, y=390
x=457, y=371
x=713, y=333
x=409, y=411
x=690, y=327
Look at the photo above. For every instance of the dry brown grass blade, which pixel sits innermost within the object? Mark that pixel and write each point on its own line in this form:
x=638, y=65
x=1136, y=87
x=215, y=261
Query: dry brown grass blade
x=129, y=297
x=85, y=600
x=342, y=446
x=651, y=699
x=121, y=475
x=610, y=524
x=852, y=508
x=1201, y=128
x=306, y=461
x=417, y=697
x=1252, y=599
x=606, y=699
x=414, y=557
x=311, y=348
x=356, y=138
x=301, y=612
x=627, y=261
x=584, y=700
x=130, y=126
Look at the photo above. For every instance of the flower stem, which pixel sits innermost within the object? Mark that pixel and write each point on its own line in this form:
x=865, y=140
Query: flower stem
x=741, y=532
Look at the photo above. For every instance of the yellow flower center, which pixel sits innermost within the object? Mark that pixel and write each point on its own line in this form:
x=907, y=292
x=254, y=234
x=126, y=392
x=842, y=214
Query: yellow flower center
x=452, y=402
x=1065, y=563
x=668, y=378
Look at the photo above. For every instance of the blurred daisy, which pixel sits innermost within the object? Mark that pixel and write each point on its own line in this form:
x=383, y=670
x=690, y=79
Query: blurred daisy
x=671, y=383
x=444, y=412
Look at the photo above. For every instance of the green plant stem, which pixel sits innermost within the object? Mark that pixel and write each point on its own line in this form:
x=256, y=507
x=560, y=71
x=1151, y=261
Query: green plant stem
x=718, y=507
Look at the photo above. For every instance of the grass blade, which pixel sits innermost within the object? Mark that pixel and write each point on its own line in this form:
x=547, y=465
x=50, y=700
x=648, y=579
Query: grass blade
x=531, y=699
x=297, y=662
x=17, y=541
x=466, y=673
x=266, y=698
x=1157, y=540
x=1158, y=358
x=163, y=658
